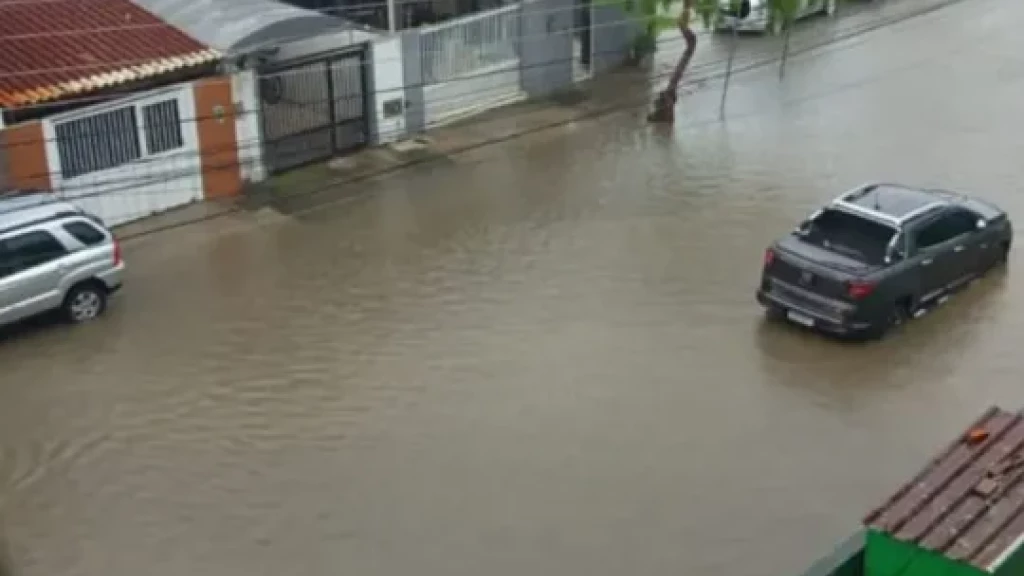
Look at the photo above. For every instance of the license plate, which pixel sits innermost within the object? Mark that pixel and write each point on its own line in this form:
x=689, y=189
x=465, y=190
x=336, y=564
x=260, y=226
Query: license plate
x=800, y=319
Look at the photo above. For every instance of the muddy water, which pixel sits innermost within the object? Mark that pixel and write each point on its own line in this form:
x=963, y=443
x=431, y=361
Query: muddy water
x=541, y=358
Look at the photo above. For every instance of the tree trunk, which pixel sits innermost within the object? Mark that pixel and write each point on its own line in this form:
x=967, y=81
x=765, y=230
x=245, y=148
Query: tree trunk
x=684, y=60
x=664, y=106
x=785, y=52
x=728, y=74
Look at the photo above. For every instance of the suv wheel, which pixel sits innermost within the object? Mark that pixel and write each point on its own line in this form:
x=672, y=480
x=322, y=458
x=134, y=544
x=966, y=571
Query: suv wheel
x=84, y=303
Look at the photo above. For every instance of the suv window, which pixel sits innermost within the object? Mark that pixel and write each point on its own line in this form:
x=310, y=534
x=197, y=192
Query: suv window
x=87, y=234
x=27, y=250
x=945, y=228
x=849, y=235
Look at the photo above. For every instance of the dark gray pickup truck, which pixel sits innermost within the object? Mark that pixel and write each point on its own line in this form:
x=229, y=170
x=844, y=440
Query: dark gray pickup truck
x=879, y=255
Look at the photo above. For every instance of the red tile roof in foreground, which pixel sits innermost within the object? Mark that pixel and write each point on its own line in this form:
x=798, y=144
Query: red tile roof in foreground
x=54, y=49
x=968, y=504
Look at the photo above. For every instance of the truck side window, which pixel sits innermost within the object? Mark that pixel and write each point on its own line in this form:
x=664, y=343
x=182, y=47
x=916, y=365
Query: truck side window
x=945, y=228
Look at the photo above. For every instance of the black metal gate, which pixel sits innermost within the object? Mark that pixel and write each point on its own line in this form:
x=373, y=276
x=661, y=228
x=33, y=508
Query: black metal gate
x=314, y=109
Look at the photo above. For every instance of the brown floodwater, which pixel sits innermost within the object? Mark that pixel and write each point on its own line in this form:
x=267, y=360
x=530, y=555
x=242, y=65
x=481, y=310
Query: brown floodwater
x=542, y=357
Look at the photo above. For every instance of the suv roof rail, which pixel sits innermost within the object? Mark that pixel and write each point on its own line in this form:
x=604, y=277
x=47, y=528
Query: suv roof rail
x=17, y=201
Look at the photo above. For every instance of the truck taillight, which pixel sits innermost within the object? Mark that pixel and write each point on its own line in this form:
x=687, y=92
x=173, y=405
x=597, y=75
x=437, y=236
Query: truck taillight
x=117, y=252
x=859, y=290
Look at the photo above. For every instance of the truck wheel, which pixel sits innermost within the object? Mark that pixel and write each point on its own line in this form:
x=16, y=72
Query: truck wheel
x=898, y=315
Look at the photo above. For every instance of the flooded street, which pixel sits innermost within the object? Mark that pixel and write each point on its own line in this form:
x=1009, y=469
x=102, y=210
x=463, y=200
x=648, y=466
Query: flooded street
x=542, y=357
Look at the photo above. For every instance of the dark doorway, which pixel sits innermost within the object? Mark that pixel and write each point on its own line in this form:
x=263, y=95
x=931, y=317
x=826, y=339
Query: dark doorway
x=583, y=48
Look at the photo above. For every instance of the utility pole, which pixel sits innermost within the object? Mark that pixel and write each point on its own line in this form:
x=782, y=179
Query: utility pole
x=728, y=72
x=392, y=17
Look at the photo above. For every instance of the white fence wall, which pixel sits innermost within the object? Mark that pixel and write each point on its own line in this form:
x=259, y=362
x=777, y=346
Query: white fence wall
x=470, y=64
x=248, y=130
x=130, y=158
x=388, y=90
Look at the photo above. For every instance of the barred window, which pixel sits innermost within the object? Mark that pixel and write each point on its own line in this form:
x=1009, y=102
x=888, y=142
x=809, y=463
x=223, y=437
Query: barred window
x=163, y=126
x=99, y=142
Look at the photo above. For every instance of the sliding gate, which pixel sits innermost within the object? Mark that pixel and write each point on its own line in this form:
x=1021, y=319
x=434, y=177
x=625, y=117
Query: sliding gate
x=314, y=109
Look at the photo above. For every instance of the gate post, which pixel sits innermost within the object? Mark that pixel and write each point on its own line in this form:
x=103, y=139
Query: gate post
x=412, y=72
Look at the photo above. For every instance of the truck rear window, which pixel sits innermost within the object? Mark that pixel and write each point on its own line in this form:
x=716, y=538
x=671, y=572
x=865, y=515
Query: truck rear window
x=849, y=235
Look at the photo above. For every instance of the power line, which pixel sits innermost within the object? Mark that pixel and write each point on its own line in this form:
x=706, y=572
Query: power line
x=321, y=102
x=842, y=36
x=106, y=98
x=128, y=183
x=242, y=147
x=283, y=10
x=280, y=41
x=604, y=111
x=111, y=186
x=322, y=185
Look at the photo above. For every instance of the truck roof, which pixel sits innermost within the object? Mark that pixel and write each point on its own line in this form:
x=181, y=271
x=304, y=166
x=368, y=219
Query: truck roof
x=893, y=204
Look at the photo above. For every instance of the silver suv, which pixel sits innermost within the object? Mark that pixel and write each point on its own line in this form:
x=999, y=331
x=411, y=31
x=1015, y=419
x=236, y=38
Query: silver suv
x=54, y=256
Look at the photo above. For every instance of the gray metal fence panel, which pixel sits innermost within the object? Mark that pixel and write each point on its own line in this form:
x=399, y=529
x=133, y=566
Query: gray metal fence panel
x=546, y=55
x=458, y=48
x=415, y=105
x=613, y=32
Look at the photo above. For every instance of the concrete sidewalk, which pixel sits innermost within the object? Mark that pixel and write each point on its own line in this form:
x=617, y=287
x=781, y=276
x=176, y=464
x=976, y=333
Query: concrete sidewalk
x=622, y=90
x=337, y=179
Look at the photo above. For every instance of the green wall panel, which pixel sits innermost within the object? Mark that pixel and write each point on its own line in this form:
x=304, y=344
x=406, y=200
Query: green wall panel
x=886, y=556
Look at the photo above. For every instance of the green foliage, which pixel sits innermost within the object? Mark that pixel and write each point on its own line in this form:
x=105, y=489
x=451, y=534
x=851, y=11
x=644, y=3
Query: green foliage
x=786, y=8
x=652, y=15
x=645, y=44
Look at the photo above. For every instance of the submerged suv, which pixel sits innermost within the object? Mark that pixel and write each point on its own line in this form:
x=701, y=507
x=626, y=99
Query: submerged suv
x=54, y=256
x=879, y=255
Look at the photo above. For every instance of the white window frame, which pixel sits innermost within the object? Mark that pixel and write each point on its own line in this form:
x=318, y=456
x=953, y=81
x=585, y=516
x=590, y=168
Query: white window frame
x=182, y=94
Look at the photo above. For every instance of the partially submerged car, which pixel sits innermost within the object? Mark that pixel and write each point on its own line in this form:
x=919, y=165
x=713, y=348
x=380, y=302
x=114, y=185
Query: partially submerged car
x=759, y=15
x=879, y=255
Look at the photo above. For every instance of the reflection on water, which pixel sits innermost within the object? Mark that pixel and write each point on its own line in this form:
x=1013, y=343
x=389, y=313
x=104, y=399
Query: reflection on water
x=542, y=358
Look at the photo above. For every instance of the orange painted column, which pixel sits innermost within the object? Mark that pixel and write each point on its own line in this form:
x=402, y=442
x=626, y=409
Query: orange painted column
x=23, y=150
x=218, y=144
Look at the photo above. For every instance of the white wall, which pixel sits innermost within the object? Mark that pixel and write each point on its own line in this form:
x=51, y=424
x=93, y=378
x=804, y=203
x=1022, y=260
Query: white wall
x=388, y=84
x=248, y=129
x=151, y=184
x=483, y=89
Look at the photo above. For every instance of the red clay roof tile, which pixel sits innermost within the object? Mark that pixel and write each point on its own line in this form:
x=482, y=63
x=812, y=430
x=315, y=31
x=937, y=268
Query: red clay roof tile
x=51, y=49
